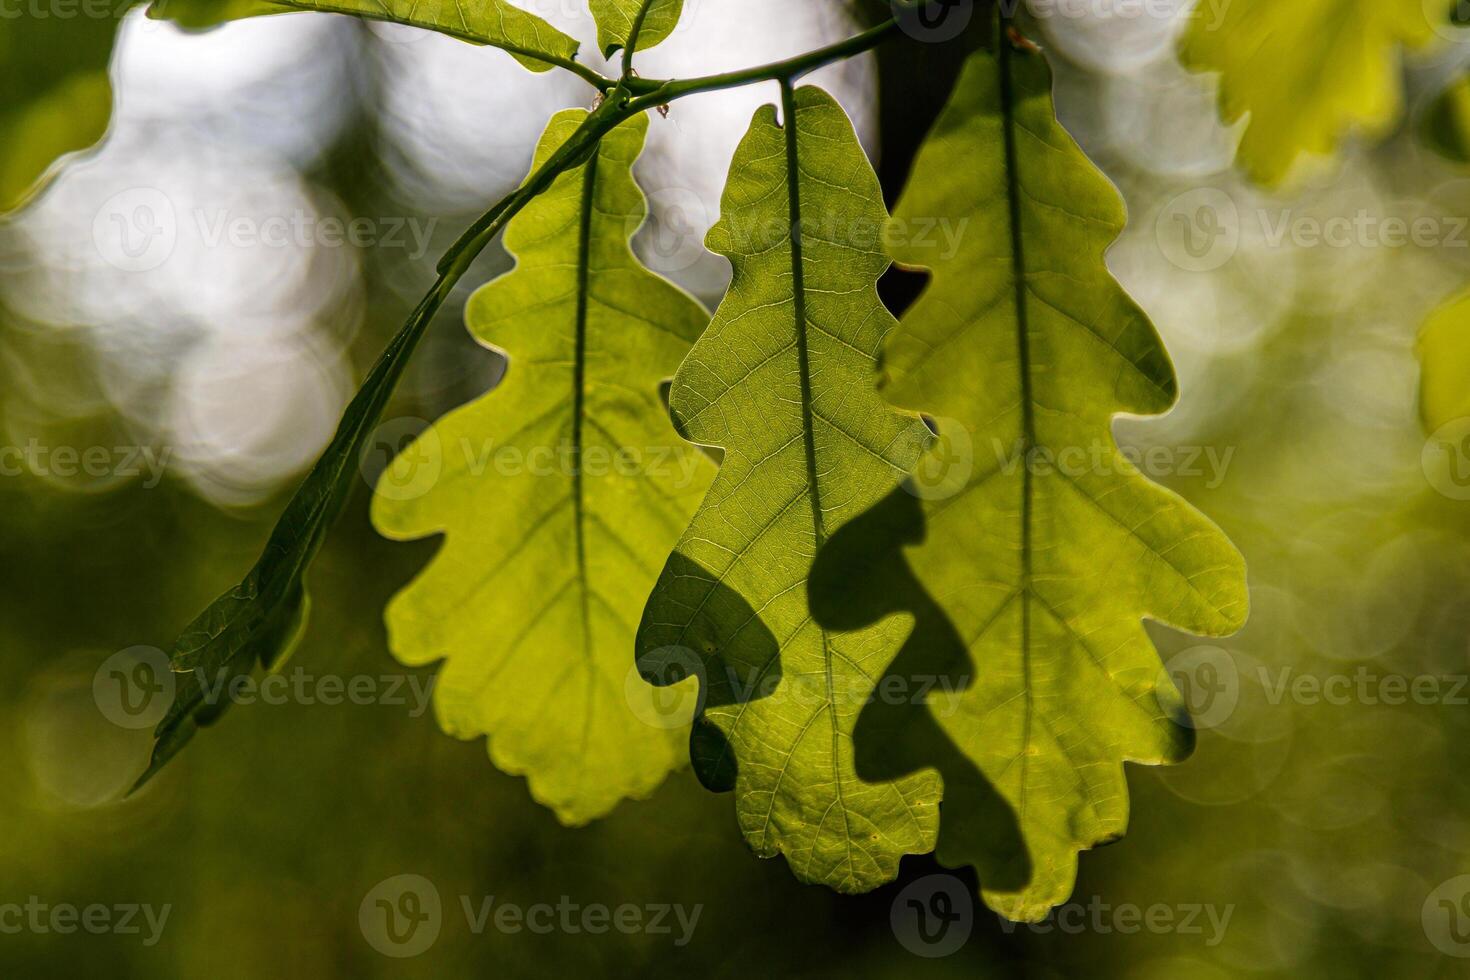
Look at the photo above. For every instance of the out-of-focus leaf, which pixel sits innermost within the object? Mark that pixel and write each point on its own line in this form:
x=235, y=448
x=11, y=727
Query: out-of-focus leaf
x=1444, y=357
x=199, y=14
x=54, y=94
x=1026, y=548
x=533, y=42
x=560, y=494
x=1306, y=71
x=782, y=382
x=615, y=22
x=497, y=23
x=1446, y=126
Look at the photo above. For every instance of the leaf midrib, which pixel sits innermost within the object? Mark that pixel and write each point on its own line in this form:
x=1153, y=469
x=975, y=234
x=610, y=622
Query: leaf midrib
x=579, y=389
x=808, y=427
x=1028, y=418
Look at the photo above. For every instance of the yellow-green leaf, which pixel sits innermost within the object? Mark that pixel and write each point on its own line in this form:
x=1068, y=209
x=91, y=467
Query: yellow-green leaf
x=615, y=19
x=560, y=495
x=781, y=382
x=1026, y=549
x=54, y=93
x=200, y=14
x=497, y=23
x=1306, y=71
x=1444, y=355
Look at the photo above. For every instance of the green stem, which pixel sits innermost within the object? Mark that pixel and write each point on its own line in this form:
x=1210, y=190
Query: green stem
x=245, y=622
x=573, y=152
x=655, y=93
x=315, y=512
x=631, y=48
x=602, y=120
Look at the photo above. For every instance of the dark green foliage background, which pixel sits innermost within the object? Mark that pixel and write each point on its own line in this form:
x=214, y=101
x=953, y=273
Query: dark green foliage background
x=266, y=834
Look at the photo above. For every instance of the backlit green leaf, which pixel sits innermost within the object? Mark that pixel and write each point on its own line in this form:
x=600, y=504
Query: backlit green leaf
x=534, y=42
x=1444, y=355
x=54, y=93
x=1306, y=71
x=560, y=494
x=615, y=20
x=497, y=23
x=199, y=14
x=781, y=382
x=1026, y=549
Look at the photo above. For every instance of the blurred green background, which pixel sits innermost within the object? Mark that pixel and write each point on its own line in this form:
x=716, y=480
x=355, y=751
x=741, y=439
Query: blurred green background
x=1324, y=828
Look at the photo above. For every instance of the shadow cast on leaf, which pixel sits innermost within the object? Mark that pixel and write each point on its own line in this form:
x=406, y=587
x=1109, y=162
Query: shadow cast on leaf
x=669, y=653
x=860, y=577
